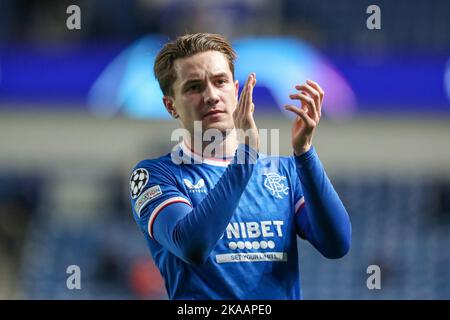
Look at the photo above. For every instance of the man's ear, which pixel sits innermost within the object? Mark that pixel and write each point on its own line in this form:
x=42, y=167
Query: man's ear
x=170, y=106
x=236, y=84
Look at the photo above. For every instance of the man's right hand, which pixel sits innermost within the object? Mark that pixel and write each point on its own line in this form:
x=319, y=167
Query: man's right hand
x=247, y=132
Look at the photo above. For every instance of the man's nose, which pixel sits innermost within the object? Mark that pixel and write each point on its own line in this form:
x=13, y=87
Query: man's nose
x=210, y=95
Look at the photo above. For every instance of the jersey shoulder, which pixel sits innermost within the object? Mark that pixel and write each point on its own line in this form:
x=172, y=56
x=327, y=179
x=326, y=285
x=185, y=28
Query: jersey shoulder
x=149, y=172
x=155, y=163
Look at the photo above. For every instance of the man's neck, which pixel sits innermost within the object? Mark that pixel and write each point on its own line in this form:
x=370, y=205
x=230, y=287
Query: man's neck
x=225, y=148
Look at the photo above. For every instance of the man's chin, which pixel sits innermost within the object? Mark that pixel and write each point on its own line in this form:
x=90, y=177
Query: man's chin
x=222, y=126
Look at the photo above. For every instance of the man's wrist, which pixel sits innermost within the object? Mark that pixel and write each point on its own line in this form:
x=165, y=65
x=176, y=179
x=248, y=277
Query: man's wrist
x=249, y=137
x=305, y=155
x=301, y=151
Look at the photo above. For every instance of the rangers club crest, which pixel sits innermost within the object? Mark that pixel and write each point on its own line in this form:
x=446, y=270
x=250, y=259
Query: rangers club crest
x=138, y=180
x=276, y=185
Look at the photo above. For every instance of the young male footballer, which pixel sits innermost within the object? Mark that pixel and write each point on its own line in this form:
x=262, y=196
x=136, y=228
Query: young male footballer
x=224, y=224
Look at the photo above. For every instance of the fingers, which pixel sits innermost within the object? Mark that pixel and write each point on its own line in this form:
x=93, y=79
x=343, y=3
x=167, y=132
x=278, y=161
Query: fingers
x=302, y=114
x=249, y=106
x=314, y=94
x=243, y=115
x=316, y=86
x=245, y=105
x=243, y=96
x=307, y=100
x=311, y=95
x=254, y=85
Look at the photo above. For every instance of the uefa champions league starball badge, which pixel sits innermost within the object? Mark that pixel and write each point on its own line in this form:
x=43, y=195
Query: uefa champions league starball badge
x=138, y=180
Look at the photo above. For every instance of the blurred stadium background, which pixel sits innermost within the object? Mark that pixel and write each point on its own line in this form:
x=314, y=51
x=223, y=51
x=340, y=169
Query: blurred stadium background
x=78, y=108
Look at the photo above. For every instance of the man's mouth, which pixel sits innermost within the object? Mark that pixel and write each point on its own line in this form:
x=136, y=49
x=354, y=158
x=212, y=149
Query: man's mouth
x=213, y=112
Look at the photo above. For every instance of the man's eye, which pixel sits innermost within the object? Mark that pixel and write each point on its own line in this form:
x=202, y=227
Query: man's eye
x=221, y=81
x=194, y=87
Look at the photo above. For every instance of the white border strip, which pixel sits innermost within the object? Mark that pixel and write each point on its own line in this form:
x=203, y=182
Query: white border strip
x=162, y=205
x=299, y=204
x=198, y=159
x=251, y=257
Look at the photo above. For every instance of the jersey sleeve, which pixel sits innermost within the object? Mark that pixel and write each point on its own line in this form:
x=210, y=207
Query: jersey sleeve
x=323, y=220
x=302, y=225
x=152, y=188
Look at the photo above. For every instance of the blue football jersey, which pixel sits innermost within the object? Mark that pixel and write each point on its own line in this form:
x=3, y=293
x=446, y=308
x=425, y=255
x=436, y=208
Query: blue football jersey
x=256, y=257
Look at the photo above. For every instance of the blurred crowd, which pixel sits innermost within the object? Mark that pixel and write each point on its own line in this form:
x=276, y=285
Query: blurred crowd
x=405, y=24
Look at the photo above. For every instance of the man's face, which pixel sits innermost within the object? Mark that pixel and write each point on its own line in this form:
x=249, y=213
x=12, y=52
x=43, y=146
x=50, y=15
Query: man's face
x=205, y=91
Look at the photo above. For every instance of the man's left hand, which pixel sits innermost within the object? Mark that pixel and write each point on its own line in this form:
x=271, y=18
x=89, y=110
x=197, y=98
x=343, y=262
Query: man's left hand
x=308, y=115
